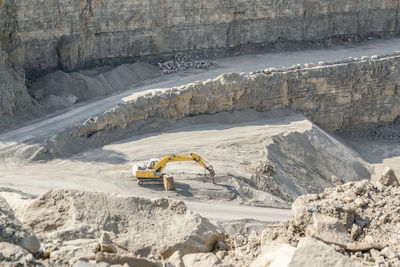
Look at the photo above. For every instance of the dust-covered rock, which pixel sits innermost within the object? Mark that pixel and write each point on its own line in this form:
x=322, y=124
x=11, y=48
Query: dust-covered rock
x=274, y=254
x=142, y=227
x=313, y=253
x=201, y=259
x=357, y=219
x=14, y=232
x=389, y=177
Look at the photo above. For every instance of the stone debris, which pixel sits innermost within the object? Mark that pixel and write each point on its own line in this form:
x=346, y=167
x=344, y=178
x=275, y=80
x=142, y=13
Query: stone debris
x=389, y=178
x=181, y=63
x=330, y=229
x=87, y=226
x=105, y=244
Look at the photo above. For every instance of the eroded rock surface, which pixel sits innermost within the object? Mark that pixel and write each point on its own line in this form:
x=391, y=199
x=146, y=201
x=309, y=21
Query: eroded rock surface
x=96, y=32
x=141, y=227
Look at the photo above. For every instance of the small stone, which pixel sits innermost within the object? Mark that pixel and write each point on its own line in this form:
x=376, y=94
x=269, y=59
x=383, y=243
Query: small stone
x=336, y=180
x=375, y=57
x=389, y=253
x=389, y=177
x=29, y=258
x=106, y=244
x=364, y=58
x=360, y=202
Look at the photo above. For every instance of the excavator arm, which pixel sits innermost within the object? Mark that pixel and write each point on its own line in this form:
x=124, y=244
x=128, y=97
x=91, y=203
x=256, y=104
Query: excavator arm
x=154, y=171
x=162, y=163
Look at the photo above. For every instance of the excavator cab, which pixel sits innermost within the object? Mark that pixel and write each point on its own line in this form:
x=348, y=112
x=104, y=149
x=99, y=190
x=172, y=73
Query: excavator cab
x=152, y=162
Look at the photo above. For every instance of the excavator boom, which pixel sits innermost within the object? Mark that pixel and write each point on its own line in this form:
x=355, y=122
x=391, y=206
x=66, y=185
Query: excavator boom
x=154, y=171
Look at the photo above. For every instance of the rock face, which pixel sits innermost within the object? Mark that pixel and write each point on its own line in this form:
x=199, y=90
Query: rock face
x=337, y=97
x=72, y=34
x=14, y=96
x=141, y=227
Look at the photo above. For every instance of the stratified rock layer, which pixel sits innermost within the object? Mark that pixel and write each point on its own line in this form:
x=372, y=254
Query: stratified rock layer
x=45, y=35
x=337, y=97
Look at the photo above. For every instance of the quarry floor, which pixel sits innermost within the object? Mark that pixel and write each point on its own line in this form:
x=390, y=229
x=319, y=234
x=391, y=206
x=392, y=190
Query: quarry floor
x=228, y=141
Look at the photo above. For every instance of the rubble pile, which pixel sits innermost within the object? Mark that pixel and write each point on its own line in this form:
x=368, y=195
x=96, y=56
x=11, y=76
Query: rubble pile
x=65, y=227
x=181, y=63
x=357, y=223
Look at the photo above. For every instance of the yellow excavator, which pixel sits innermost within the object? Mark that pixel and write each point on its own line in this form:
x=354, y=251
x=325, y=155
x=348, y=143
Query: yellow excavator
x=153, y=171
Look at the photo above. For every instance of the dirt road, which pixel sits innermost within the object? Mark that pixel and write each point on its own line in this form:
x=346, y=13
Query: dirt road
x=107, y=167
x=53, y=123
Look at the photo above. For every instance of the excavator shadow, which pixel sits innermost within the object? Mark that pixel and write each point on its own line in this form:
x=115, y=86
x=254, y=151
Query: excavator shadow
x=181, y=189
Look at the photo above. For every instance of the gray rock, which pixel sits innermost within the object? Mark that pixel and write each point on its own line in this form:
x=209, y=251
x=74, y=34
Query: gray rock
x=106, y=244
x=131, y=260
x=200, y=259
x=135, y=222
x=12, y=253
x=274, y=254
x=313, y=253
x=176, y=259
x=389, y=177
x=328, y=229
x=389, y=253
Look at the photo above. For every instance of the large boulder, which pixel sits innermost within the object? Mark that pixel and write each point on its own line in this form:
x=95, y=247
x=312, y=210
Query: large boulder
x=200, y=260
x=328, y=229
x=146, y=228
x=313, y=253
x=274, y=255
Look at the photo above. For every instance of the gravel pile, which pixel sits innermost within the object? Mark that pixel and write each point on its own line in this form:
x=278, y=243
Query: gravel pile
x=181, y=63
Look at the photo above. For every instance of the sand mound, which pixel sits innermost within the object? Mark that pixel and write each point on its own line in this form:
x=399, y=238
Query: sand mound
x=60, y=89
x=307, y=162
x=76, y=220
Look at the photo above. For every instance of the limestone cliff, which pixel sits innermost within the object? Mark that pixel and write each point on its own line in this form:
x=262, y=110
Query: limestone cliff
x=337, y=96
x=43, y=35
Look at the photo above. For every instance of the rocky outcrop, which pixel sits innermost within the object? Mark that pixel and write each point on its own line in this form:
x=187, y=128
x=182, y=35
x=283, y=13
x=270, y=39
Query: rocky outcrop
x=359, y=219
x=13, y=94
x=86, y=226
x=337, y=96
x=354, y=224
x=46, y=35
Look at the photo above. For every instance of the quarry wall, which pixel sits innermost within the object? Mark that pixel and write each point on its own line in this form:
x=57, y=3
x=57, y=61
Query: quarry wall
x=13, y=94
x=44, y=35
x=338, y=96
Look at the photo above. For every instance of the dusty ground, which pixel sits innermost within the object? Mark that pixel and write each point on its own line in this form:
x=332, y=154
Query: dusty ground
x=230, y=143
